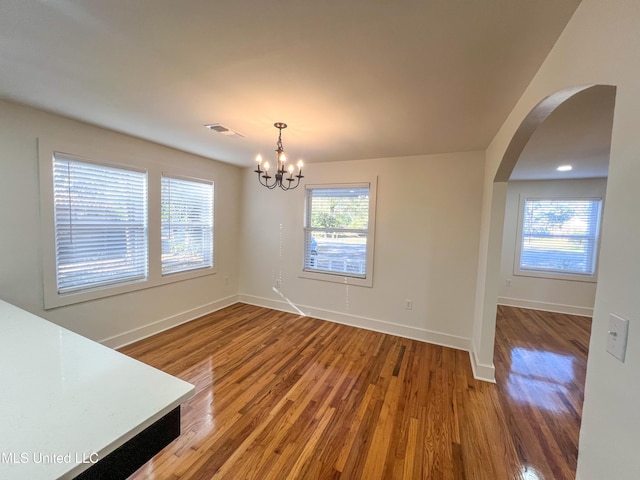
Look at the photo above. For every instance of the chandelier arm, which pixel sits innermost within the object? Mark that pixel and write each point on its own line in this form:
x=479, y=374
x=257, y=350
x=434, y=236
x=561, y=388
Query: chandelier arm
x=266, y=183
x=285, y=187
x=290, y=186
x=264, y=180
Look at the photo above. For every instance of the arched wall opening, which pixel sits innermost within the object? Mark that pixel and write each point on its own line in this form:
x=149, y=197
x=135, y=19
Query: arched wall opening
x=485, y=330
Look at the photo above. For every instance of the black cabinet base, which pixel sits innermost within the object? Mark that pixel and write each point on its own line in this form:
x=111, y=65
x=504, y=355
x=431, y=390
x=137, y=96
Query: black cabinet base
x=129, y=457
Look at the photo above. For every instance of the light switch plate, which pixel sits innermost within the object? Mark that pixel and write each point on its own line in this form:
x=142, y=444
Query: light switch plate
x=617, y=336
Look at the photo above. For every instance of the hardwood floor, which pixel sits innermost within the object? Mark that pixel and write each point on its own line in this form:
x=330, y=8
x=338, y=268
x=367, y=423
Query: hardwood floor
x=281, y=396
x=541, y=363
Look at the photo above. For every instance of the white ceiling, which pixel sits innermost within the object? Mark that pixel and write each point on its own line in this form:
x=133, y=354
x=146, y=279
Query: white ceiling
x=352, y=78
x=576, y=133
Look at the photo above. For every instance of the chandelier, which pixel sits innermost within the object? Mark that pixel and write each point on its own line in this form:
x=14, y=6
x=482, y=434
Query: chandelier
x=283, y=177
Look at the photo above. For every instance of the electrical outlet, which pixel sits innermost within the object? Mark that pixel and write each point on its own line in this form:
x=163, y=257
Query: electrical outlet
x=408, y=304
x=509, y=282
x=226, y=280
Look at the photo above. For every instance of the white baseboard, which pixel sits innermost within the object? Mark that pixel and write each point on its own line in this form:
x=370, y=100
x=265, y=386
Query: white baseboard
x=482, y=371
x=122, y=339
x=442, y=339
x=546, y=307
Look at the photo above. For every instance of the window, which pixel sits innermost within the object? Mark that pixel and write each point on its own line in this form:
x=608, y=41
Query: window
x=120, y=226
x=100, y=215
x=559, y=237
x=187, y=224
x=339, y=223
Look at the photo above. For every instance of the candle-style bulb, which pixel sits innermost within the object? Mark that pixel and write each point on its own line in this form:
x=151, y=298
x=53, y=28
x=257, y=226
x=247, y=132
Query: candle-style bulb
x=259, y=159
x=266, y=166
x=300, y=164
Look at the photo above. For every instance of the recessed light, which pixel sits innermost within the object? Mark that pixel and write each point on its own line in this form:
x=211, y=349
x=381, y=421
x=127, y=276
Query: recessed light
x=564, y=168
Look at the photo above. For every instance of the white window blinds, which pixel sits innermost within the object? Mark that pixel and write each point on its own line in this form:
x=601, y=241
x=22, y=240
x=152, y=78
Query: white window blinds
x=560, y=236
x=336, y=230
x=100, y=224
x=187, y=224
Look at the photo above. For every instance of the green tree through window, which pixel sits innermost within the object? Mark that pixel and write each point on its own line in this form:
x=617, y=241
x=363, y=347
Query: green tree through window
x=560, y=235
x=336, y=231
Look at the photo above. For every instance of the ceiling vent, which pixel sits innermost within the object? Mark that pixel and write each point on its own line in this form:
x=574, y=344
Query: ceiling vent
x=221, y=129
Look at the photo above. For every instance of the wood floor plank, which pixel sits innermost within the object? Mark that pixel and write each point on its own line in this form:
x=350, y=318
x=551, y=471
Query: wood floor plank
x=283, y=396
x=541, y=360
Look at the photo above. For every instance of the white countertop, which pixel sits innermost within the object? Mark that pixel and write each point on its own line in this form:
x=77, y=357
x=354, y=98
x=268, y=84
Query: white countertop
x=65, y=398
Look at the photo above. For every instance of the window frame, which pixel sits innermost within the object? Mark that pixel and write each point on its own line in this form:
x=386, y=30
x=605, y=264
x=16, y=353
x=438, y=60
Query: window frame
x=553, y=274
x=116, y=157
x=202, y=268
x=338, y=277
x=137, y=278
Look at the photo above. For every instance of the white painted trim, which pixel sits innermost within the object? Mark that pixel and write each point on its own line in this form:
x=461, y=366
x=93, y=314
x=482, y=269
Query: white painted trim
x=556, y=275
x=436, y=338
x=546, y=307
x=486, y=373
x=367, y=281
x=122, y=339
x=47, y=148
x=480, y=372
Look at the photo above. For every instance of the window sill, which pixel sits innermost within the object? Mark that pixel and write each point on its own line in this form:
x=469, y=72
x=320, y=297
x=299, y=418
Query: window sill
x=338, y=278
x=572, y=277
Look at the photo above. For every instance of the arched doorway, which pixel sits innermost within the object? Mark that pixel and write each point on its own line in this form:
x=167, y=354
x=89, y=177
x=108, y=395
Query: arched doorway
x=548, y=278
x=484, y=331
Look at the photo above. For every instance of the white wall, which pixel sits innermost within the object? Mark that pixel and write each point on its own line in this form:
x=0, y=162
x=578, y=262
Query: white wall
x=428, y=218
x=125, y=317
x=564, y=296
x=428, y=215
x=599, y=46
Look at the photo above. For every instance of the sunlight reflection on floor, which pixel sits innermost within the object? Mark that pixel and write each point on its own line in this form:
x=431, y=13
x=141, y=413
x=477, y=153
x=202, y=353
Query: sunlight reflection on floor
x=530, y=473
x=540, y=378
